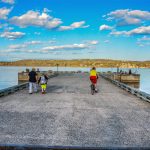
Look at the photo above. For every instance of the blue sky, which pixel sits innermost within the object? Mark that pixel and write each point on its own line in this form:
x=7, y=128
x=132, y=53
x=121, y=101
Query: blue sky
x=74, y=29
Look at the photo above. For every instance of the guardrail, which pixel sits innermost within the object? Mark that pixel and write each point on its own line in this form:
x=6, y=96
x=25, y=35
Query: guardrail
x=16, y=88
x=45, y=147
x=13, y=89
x=136, y=92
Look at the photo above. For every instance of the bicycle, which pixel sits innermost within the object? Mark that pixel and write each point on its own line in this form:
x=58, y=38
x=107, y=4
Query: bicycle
x=92, y=89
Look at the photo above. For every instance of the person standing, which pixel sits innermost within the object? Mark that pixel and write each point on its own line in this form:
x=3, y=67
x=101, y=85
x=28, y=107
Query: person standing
x=43, y=82
x=32, y=81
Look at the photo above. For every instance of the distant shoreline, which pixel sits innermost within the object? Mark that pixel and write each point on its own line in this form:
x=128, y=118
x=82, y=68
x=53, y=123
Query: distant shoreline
x=82, y=63
x=79, y=67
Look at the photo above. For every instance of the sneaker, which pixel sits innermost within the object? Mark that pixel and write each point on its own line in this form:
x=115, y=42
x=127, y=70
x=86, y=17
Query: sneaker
x=96, y=90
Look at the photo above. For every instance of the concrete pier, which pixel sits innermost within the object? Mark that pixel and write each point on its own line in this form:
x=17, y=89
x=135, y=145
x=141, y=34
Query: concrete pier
x=68, y=115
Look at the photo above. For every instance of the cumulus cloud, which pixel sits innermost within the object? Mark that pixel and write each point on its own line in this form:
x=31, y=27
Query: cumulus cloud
x=140, y=30
x=143, y=30
x=8, y=1
x=35, y=18
x=4, y=12
x=73, y=26
x=12, y=35
x=105, y=27
x=128, y=17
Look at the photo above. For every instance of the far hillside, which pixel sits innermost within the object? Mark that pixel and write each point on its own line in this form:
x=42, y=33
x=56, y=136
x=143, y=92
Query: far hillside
x=104, y=63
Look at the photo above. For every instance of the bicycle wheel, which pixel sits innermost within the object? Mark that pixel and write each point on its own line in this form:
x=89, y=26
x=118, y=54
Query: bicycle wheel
x=92, y=89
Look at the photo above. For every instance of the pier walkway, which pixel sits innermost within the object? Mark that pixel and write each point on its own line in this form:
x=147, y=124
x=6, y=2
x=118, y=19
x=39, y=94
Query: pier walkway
x=68, y=115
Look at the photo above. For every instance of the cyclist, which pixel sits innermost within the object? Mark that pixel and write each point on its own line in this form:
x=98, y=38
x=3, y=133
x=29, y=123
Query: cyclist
x=94, y=77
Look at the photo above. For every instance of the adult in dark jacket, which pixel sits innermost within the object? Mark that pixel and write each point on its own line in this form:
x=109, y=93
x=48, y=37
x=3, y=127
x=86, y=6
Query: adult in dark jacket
x=32, y=81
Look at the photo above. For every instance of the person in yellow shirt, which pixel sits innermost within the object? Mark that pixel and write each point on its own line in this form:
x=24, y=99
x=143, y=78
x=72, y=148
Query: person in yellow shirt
x=94, y=77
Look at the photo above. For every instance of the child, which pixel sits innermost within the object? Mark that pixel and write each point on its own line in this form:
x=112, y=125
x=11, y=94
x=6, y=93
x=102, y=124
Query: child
x=43, y=81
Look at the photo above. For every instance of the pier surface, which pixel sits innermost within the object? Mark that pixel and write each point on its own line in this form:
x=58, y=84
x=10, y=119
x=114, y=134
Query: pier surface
x=68, y=115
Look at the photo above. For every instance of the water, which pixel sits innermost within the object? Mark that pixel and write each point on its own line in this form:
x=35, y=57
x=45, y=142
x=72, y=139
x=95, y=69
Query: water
x=9, y=75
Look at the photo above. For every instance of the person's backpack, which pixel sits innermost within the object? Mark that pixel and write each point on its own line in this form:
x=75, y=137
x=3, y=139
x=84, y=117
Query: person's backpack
x=43, y=80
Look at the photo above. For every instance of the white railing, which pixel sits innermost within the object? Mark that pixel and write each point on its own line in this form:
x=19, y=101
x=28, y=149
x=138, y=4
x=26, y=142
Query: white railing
x=129, y=89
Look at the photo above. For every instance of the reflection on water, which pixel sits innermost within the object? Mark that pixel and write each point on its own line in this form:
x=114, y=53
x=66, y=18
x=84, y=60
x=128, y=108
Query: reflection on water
x=9, y=75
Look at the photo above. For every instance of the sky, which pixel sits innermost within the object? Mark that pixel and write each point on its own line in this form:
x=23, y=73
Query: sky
x=74, y=29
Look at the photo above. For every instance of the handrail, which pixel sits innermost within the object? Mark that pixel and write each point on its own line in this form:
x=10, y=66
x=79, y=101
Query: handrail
x=129, y=89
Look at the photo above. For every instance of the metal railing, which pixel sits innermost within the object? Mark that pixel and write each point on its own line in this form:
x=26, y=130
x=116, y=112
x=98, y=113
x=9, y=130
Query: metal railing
x=45, y=147
x=129, y=89
x=13, y=89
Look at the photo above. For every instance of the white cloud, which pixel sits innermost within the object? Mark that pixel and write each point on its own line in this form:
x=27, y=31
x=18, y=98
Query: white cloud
x=144, y=38
x=106, y=41
x=8, y=1
x=94, y=42
x=143, y=44
x=33, y=42
x=85, y=45
x=12, y=48
x=34, y=18
x=140, y=30
x=4, y=12
x=129, y=21
x=19, y=49
x=118, y=13
x=144, y=41
x=118, y=33
x=24, y=45
x=23, y=48
x=145, y=15
x=143, y=30
x=46, y=10
x=12, y=35
x=128, y=17
x=73, y=26
x=105, y=27
x=18, y=46
x=63, y=47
